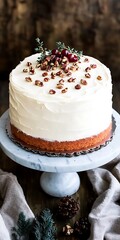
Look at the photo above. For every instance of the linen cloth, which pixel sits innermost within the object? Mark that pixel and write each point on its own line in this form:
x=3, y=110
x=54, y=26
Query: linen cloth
x=105, y=214
x=13, y=202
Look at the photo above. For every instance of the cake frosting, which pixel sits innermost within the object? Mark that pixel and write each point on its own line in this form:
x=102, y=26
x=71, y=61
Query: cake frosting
x=59, y=105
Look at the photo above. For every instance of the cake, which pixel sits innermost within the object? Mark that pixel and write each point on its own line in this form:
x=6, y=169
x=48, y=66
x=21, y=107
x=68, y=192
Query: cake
x=60, y=101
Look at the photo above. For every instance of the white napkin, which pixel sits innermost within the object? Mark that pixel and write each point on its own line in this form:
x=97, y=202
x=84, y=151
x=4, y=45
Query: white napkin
x=105, y=214
x=13, y=203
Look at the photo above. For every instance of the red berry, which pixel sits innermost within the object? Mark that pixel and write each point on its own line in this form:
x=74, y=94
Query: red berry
x=72, y=58
x=64, y=52
x=54, y=51
x=58, y=54
x=75, y=58
x=69, y=55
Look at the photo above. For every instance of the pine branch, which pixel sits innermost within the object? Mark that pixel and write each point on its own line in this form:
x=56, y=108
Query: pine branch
x=15, y=236
x=40, y=228
x=35, y=233
x=47, y=225
x=22, y=228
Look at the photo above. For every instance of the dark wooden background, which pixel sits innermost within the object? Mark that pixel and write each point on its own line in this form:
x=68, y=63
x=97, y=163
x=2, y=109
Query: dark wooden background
x=92, y=26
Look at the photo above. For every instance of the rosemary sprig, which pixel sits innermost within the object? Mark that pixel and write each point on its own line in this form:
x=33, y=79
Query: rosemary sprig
x=40, y=49
x=62, y=46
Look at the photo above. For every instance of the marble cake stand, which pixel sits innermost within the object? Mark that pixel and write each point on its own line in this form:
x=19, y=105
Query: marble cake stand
x=60, y=176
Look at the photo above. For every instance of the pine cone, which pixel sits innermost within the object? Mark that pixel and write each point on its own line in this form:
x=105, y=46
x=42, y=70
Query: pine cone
x=82, y=228
x=67, y=207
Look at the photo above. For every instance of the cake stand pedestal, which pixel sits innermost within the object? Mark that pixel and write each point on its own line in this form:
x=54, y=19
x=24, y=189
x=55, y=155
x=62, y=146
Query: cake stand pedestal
x=60, y=176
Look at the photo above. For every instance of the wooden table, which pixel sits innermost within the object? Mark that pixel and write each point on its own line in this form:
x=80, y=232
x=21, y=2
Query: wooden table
x=29, y=179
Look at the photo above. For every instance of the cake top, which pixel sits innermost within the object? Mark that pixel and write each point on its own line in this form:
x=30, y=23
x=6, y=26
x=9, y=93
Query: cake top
x=61, y=73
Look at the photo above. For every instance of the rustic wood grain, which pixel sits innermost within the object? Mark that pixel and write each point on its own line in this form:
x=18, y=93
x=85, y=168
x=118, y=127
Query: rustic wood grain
x=92, y=26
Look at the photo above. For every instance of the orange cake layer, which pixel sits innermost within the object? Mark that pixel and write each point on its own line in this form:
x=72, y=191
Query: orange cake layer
x=61, y=147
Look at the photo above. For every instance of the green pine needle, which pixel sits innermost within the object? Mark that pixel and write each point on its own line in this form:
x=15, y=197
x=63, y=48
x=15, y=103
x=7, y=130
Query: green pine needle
x=47, y=225
x=40, y=228
x=35, y=233
x=23, y=227
x=15, y=236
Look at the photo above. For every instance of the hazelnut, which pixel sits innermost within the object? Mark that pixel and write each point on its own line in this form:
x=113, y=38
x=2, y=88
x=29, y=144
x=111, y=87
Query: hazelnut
x=71, y=80
x=73, y=68
x=31, y=71
x=93, y=65
x=28, y=79
x=38, y=83
x=87, y=69
x=29, y=64
x=77, y=86
x=46, y=79
x=86, y=60
x=51, y=91
x=59, y=86
x=38, y=65
x=58, y=73
x=64, y=90
x=52, y=75
x=99, y=77
x=25, y=70
x=84, y=82
x=87, y=75
x=61, y=81
x=66, y=70
x=44, y=74
x=69, y=74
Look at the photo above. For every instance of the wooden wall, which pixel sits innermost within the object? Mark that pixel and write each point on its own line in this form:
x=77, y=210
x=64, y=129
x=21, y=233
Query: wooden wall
x=89, y=25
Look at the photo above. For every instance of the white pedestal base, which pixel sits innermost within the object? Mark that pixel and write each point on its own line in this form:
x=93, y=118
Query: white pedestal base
x=60, y=184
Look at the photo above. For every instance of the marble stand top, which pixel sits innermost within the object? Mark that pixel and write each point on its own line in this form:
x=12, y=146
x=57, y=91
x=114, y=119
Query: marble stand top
x=60, y=164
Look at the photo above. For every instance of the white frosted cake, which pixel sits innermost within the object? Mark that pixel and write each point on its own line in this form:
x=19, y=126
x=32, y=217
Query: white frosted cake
x=62, y=103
